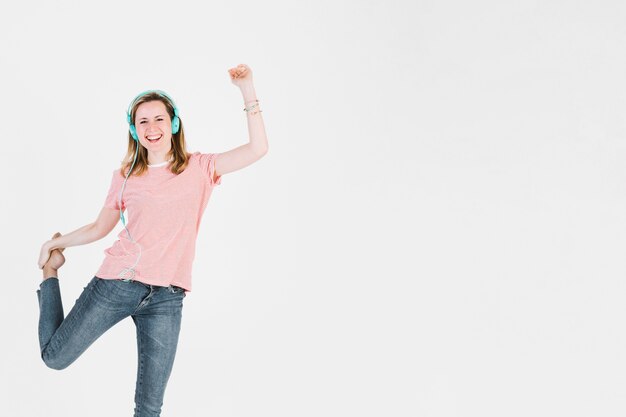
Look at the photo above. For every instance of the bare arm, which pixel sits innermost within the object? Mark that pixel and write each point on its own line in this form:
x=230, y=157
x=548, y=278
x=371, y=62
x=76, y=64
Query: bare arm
x=257, y=146
x=106, y=221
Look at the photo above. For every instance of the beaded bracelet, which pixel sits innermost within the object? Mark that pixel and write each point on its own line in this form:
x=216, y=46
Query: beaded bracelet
x=250, y=108
x=256, y=104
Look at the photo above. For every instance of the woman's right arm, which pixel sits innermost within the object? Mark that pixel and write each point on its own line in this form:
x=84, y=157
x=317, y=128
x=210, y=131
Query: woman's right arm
x=106, y=221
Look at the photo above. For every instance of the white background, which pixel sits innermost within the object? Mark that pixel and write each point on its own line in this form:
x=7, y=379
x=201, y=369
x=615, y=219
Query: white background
x=438, y=228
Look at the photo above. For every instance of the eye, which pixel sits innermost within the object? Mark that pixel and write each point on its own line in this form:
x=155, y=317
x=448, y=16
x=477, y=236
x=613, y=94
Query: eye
x=142, y=122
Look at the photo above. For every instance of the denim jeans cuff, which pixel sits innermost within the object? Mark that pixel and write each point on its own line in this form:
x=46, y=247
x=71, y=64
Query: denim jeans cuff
x=49, y=279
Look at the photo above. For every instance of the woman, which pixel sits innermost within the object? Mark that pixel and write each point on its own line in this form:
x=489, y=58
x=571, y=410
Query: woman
x=146, y=273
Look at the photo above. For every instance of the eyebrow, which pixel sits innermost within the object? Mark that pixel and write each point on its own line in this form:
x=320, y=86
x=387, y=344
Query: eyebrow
x=160, y=115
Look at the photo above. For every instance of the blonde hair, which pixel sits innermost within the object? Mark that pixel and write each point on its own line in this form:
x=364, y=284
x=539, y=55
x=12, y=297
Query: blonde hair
x=178, y=153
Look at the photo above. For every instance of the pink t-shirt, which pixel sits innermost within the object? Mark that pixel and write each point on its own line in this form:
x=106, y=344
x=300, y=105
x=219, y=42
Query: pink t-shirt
x=163, y=216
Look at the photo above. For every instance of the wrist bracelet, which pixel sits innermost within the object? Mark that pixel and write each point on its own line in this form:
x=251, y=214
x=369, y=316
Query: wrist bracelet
x=251, y=107
x=256, y=104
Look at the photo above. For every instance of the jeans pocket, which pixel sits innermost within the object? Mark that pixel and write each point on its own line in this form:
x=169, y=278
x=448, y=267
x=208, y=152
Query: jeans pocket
x=176, y=290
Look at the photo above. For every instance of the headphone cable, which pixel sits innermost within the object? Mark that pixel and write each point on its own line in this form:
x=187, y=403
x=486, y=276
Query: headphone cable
x=128, y=274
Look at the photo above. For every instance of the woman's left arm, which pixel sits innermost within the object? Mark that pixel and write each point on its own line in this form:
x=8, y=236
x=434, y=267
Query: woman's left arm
x=257, y=146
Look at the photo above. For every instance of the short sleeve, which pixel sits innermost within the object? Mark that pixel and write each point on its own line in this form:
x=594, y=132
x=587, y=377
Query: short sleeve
x=207, y=164
x=113, y=196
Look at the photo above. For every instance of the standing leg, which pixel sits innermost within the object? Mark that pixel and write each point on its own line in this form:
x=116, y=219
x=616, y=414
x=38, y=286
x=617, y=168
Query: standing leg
x=157, y=320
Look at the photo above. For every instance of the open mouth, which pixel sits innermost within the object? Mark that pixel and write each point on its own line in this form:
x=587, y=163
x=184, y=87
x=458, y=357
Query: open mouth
x=154, y=138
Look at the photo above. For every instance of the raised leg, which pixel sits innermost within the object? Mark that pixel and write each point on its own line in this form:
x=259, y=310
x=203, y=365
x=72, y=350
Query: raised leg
x=63, y=340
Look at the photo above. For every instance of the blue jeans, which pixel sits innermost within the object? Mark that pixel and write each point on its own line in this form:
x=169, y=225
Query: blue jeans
x=156, y=311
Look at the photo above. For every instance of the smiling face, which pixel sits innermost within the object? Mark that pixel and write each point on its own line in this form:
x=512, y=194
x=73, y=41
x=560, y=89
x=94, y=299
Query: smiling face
x=154, y=129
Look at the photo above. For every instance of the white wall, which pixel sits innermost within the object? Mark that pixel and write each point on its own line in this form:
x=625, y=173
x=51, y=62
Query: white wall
x=438, y=228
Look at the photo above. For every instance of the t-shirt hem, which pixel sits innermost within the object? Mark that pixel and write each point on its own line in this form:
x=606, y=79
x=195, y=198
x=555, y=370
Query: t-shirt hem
x=144, y=280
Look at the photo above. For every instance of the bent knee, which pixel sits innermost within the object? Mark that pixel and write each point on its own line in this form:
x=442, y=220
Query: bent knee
x=55, y=362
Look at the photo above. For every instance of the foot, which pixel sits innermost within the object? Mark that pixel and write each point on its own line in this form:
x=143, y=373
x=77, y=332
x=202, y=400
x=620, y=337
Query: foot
x=55, y=261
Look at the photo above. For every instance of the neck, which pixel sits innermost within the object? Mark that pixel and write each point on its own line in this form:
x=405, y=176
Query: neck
x=159, y=164
x=160, y=158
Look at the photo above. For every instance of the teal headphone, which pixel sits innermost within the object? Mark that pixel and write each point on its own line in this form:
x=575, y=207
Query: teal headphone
x=175, y=119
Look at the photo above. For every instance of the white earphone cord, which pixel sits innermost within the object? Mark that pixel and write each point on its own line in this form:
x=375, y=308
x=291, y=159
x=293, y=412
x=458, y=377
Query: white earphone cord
x=128, y=274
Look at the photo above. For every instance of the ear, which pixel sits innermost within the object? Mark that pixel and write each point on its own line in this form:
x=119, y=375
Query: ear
x=175, y=124
x=133, y=132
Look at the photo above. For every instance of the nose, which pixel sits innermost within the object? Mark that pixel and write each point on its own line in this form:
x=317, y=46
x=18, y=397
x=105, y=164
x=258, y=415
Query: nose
x=150, y=126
